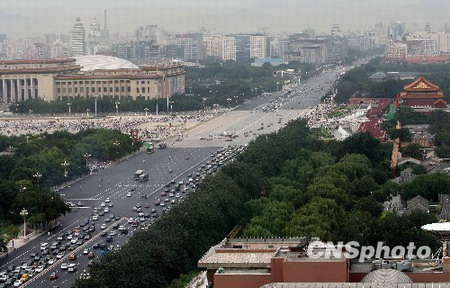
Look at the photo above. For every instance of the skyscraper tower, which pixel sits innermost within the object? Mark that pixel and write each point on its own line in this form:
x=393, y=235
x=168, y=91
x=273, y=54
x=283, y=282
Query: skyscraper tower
x=336, y=30
x=78, y=35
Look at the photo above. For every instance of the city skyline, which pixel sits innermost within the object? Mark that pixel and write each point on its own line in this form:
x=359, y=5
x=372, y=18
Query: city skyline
x=35, y=18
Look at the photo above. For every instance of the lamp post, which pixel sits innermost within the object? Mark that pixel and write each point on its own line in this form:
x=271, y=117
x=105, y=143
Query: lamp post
x=27, y=137
x=38, y=176
x=146, y=111
x=87, y=112
x=95, y=106
x=117, y=106
x=117, y=143
x=65, y=164
x=70, y=107
x=24, y=214
x=171, y=103
x=278, y=84
x=86, y=157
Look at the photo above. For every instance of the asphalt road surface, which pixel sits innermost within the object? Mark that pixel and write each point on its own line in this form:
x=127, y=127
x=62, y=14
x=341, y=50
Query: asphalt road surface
x=267, y=113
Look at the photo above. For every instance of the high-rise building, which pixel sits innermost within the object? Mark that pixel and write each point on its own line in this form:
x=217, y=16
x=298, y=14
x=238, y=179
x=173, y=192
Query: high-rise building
x=213, y=45
x=78, y=37
x=396, y=31
x=228, y=48
x=192, y=46
x=336, y=30
x=259, y=46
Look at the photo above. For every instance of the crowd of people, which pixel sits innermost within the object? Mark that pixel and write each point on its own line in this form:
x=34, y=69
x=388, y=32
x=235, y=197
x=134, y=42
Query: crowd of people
x=145, y=128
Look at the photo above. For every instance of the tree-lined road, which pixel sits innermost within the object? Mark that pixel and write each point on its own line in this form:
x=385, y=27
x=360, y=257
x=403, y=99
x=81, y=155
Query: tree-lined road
x=267, y=113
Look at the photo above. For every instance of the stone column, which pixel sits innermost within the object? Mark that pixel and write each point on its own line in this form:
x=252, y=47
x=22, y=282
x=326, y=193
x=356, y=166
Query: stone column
x=32, y=88
x=5, y=99
x=25, y=88
x=18, y=94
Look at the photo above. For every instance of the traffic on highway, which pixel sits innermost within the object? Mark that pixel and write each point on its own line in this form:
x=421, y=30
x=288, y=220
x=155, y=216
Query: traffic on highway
x=109, y=206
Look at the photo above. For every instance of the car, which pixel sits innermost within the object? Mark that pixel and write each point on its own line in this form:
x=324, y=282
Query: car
x=147, y=205
x=109, y=239
x=72, y=257
x=39, y=269
x=86, y=251
x=111, y=204
x=44, y=246
x=91, y=262
x=103, y=204
x=107, y=200
x=104, y=226
x=18, y=283
x=90, y=256
x=53, y=276
x=60, y=255
x=113, y=233
x=103, y=234
x=129, y=194
x=64, y=266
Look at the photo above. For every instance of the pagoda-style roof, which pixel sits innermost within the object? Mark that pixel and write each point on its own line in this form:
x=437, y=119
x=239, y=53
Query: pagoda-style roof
x=421, y=85
x=421, y=95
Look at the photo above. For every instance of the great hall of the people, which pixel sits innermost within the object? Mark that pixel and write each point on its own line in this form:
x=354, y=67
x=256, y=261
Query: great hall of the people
x=87, y=76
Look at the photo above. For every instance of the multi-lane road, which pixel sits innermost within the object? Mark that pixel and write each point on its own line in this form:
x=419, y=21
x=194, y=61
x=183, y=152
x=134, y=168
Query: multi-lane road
x=267, y=113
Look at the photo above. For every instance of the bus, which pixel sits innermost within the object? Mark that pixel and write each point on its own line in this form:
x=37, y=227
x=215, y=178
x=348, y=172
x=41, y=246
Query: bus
x=138, y=174
x=149, y=147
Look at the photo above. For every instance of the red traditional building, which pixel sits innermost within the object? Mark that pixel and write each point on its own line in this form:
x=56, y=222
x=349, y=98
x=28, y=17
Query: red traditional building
x=421, y=94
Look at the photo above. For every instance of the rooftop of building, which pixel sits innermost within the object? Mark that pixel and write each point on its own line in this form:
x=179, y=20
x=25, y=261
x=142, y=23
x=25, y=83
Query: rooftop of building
x=102, y=62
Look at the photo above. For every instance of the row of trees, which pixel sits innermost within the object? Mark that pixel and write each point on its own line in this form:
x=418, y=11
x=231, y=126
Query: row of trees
x=338, y=196
x=175, y=242
x=106, y=105
x=32, y=164
x=287, y=183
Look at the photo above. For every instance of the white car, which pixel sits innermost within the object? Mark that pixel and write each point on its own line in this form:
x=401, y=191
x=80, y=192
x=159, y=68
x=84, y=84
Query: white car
x=102, y=204
x=107, y=200
x=69, y=237
x=51, y=261
x=39, y=269
x=86, y=251
x=17, y=283
x=103, y=227
x=59, y=256
x=64, y=266
x=129, y=194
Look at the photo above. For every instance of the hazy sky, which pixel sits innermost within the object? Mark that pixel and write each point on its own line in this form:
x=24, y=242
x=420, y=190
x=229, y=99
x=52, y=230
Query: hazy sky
x=36, y=17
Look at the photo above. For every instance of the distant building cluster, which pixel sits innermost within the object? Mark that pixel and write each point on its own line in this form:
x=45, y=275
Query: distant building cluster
x=419, y=46
x=151, y=44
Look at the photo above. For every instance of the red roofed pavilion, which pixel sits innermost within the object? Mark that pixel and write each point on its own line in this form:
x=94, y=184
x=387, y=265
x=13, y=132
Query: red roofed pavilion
x=421, y=93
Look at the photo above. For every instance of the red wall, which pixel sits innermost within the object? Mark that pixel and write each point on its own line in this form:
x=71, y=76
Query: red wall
x=241, y=281
x=311, y=271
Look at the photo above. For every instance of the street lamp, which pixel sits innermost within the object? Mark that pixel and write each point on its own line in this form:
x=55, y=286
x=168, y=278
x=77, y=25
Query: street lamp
x=24, y=214
x=171, y=103
x=146, y=111
x=278, y=84
x=65, y=164
x=117, y=143
x=117, y=106
x=38, y=176
x=70, y=106
x=86, y=157
x=27, y=137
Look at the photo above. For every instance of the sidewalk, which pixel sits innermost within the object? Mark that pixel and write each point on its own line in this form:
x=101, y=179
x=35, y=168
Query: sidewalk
x=20, y=241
